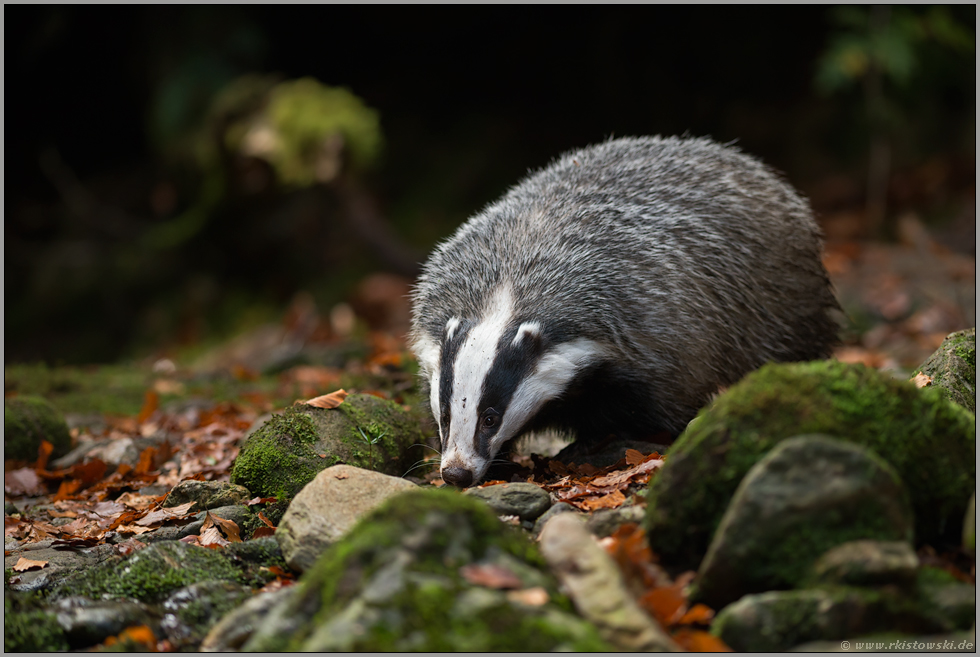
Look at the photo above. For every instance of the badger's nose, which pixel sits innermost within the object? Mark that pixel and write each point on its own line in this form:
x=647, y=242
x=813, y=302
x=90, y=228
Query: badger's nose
x=458, y=477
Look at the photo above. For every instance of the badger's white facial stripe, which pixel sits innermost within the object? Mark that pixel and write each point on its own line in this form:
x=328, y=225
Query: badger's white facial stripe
x=527, y=330
x=550, y=378
x=473, y=362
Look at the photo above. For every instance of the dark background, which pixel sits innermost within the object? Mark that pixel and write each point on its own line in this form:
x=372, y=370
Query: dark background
x=470, y=98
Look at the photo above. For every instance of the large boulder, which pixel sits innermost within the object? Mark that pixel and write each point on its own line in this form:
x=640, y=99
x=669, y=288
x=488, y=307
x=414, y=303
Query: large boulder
x=430, y=571
x=929, y=441
x=809, y=494
x=288, y=451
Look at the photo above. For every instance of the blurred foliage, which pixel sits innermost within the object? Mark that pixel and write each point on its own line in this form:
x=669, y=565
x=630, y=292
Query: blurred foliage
x=859, y=46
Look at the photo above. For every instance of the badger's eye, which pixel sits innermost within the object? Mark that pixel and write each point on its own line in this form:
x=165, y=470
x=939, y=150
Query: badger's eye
x=490, y=420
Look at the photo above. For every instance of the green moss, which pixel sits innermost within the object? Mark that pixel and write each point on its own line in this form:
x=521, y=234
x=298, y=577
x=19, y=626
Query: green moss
x=27, y=627
x=290, y=449
x=929, y=441
x=953, y=368
x=151, y=574
x=27, y=420
x=432, y=533
x=278, y=459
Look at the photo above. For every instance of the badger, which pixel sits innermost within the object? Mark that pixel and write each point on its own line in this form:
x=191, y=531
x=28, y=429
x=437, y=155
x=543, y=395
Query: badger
x=614, y=292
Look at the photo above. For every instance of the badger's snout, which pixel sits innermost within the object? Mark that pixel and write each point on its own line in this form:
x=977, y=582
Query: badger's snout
x=458, y=477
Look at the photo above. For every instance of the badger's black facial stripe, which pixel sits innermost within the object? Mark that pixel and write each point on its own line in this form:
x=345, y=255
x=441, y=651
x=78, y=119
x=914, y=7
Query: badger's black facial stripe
x=515, y=360
x=450, y=348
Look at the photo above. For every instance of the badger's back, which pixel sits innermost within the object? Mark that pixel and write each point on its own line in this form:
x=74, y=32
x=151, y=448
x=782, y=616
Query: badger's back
x=692, y=262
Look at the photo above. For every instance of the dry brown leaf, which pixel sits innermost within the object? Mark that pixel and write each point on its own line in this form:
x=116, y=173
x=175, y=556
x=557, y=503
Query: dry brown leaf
x=634, y=456
x=161, y=515
x=665, y=603
x=698, y=641
x=612, y=500
x=922, y=380
x=133, y=529
x=623, y=476
x=151, y=401
x=532, y=597
x=43, y=453
x=212, y=537
x=491, y=576
x=23, y=481
x=140, y=634
x=264, y=531
x=28, y=564
x=333, y=400
x=228, y=527
x=699, y=614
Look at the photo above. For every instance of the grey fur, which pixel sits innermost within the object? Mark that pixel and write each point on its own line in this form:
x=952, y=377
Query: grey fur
x=693, y=262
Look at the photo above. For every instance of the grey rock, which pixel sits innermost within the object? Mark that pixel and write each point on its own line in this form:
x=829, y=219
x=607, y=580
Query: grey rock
x=556, y=508
x=206, y=494
x=868, y=563
x=61, y=563
x=809, y=494
x=779, y=620
x=522, y=499
x=191, y=611
x=231, y=632
x=112, y=451
x=956, y=602
x=328, y=507
x=594, y=583
x=953, y=368
x=88, y=622
x=604, y=522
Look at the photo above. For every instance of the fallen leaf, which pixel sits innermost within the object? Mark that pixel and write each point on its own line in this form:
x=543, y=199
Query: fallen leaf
x=491, y=576
x=613, y=500
x=699, y=614
x=228, y=527
x=533, y=597
x=264, y=531
x=23, y=481
x=160, y=515
x=333, y=400
x=129, y=546
x=43, y=453
x=265, y=521
x=151, y=401
x=24, y=564
x=922, y=380
x=212, y=537
x=665, y=604
x=624, y=476
x=140, y=634
x=698, y=641
x=634, y=456
x=260, y=500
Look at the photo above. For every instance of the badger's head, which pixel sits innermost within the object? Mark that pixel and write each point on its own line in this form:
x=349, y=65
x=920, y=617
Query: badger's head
x=489, y=377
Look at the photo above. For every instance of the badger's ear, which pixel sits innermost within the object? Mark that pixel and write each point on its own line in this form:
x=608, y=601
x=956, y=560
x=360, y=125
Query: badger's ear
x=529, y=337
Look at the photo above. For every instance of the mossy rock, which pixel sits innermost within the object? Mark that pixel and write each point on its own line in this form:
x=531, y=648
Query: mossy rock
x=289, y=450
x=953, y=368
x=28, y=626
x=153, y=573
x=27, y=420
x=396, y=583
x=930, y=442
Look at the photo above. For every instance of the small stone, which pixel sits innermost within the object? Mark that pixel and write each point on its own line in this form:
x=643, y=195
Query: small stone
x=956, y=602
x=868, y=563
x=522, y=499
x=595, y=584
x=605, y=522
x=207, y=494
x=235, y=628
x=558, y=507
x=953, y=368
x=327, y=507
